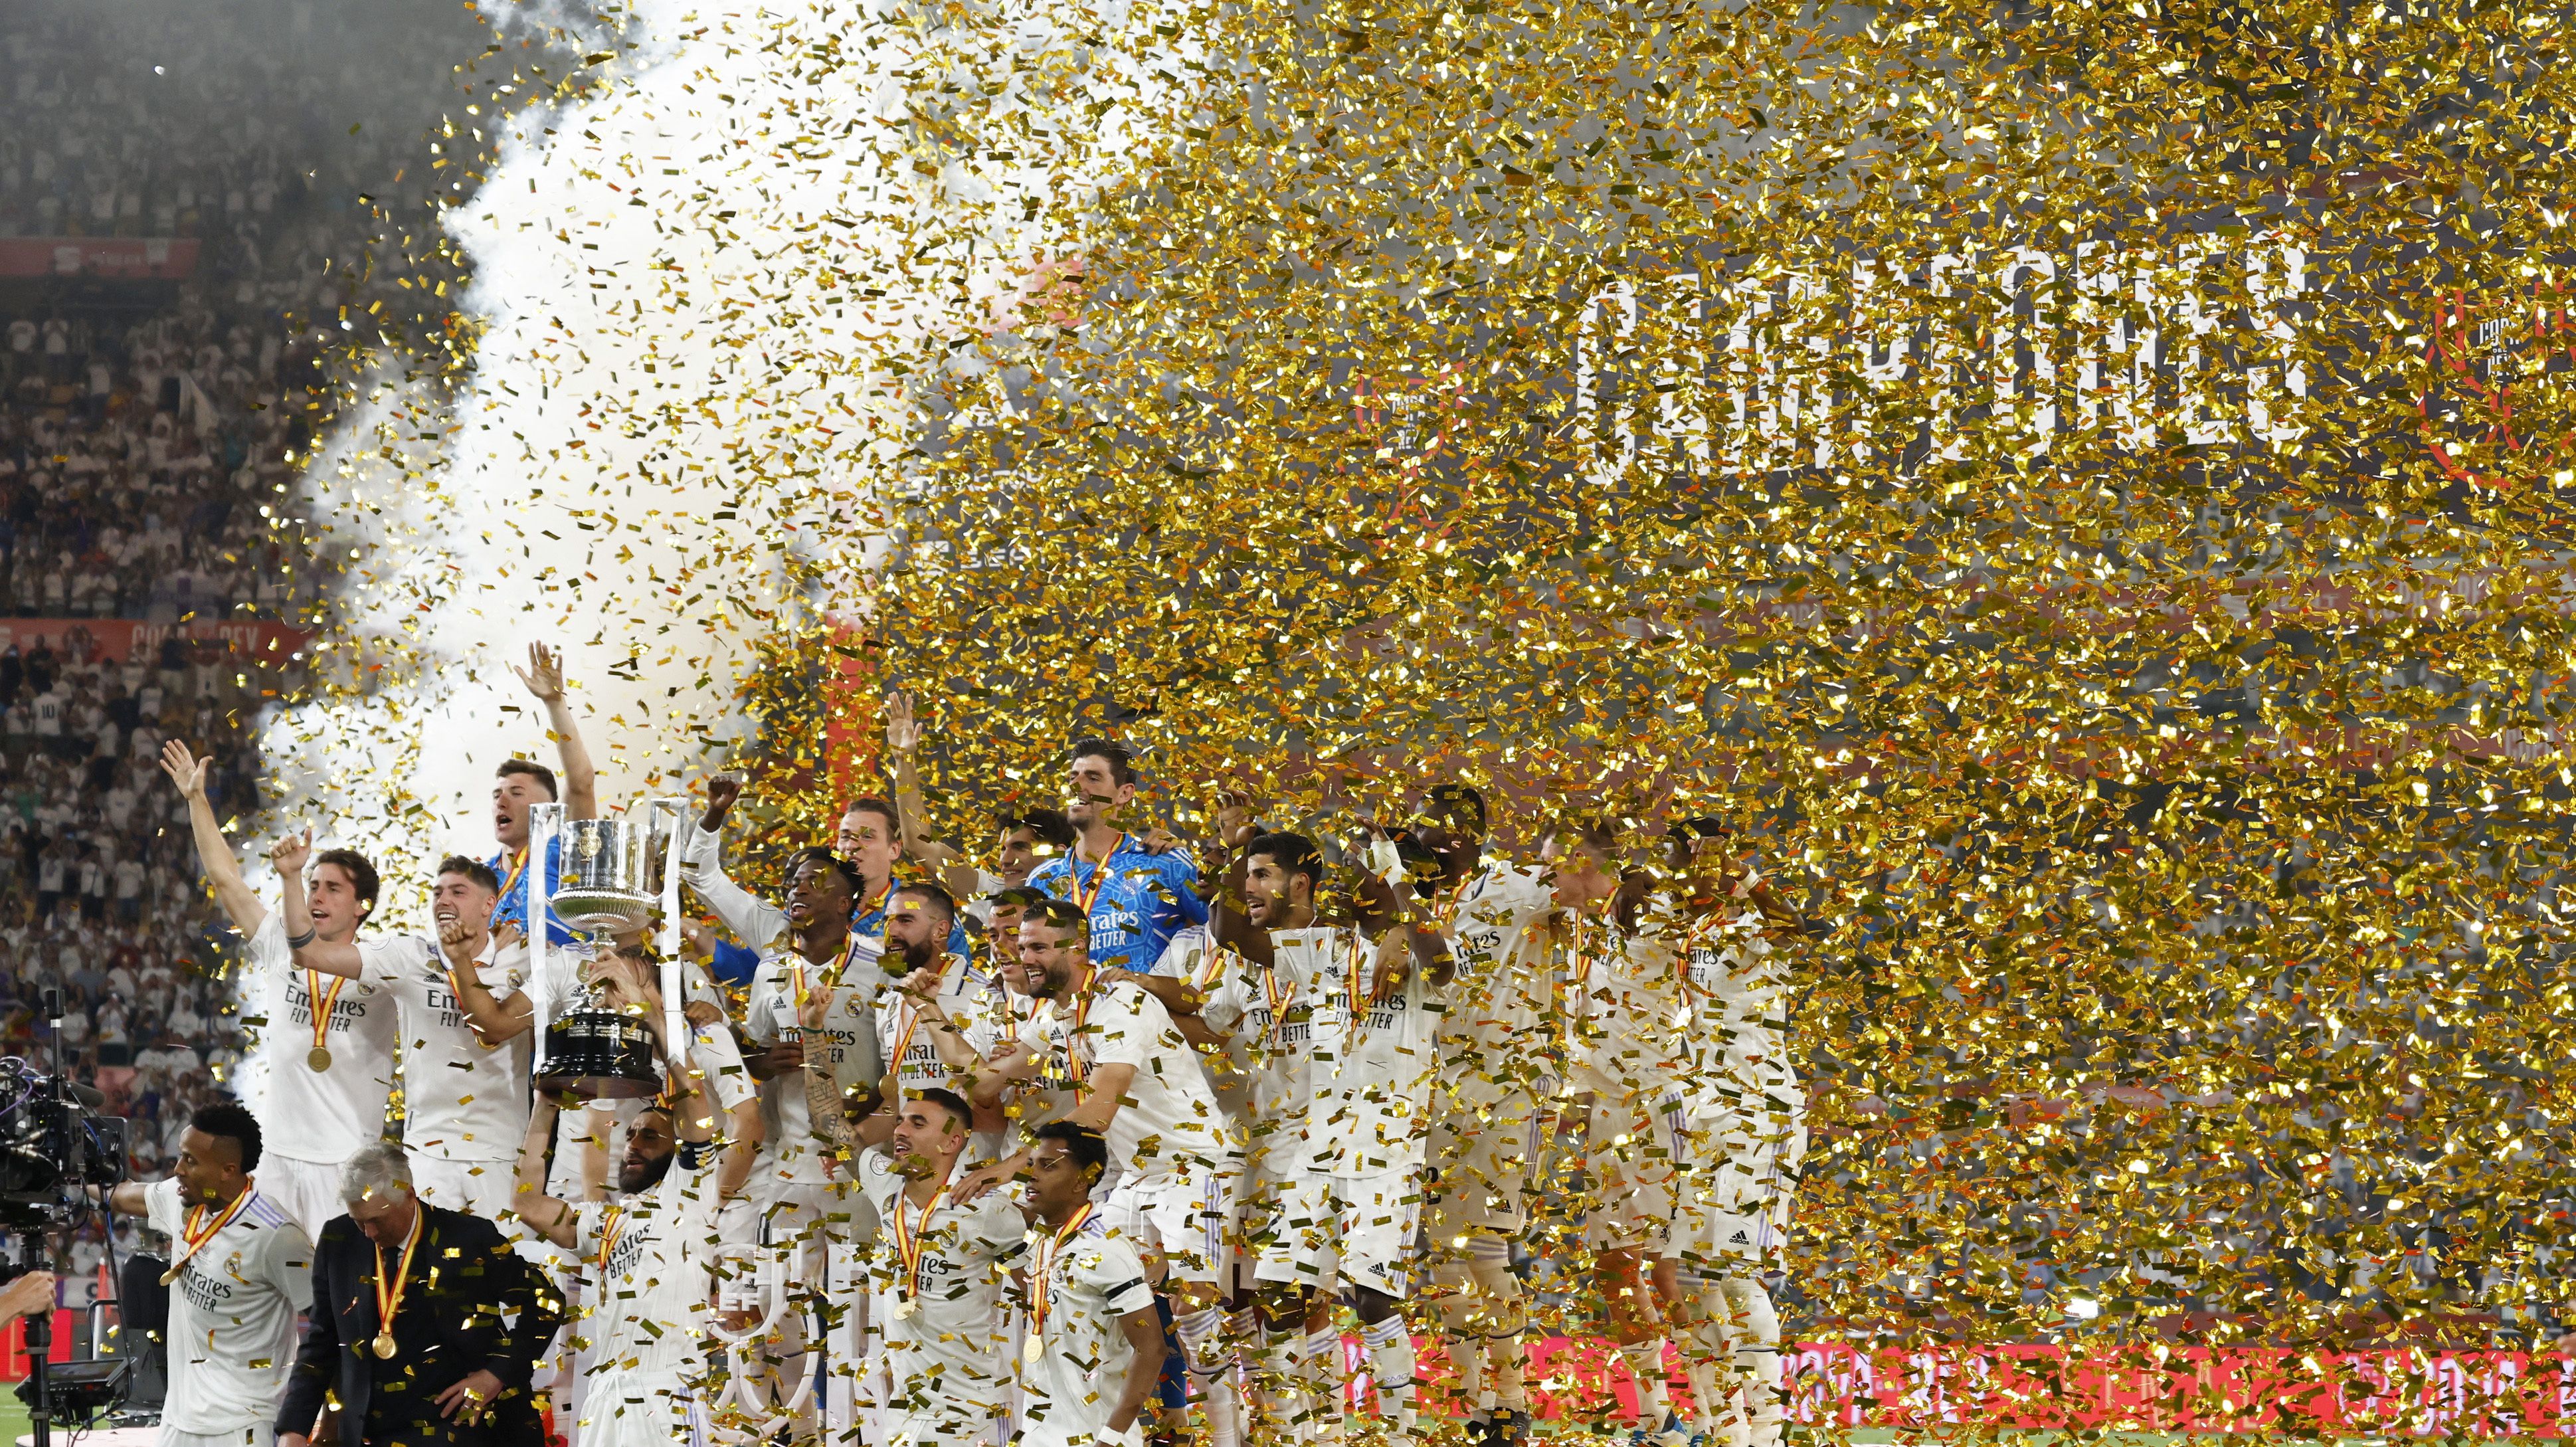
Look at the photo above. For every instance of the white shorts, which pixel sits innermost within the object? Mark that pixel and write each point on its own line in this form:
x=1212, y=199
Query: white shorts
x=935, y=1429
x=482, y=1188
x=1628, y=1158
x=1479, y=1180
x=1735, y=1211
x=1350, y=1230
x=795, y=1213
x=307, y=1191
x=638, y=1409
x=1182, y=1215
x=1043, y=1434
x=261, y=1435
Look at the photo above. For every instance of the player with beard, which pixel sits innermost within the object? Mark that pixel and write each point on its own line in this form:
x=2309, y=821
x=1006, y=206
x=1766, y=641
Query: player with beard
x=1352, y=1205
x=1136, y=893
x=464, y=1026
x=328, y=1042
x=1618, y=991
x=1494, y=1073
x=644, y=1254
x=521, y=783
x=1136, y=1079
x=243, y=1271
x=1743, y=1134
x=1262, y=1000
x=940, y=994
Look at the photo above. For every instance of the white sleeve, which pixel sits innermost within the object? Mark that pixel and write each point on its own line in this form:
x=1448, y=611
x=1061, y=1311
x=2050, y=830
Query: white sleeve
x=760, y=1009
x=753, y=921
x=718, y=1060
x=1114, y=1271
x=161, y=1209
x=290, y=1264
x=392, y=959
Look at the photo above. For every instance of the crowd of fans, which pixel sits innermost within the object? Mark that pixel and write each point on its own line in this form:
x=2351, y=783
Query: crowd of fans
x=149, y=435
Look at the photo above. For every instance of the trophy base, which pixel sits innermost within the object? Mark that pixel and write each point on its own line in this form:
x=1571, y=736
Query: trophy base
x=599, y=1087
x=601, y=1055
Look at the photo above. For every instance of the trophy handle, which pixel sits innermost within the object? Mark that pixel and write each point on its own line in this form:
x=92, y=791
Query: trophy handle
x=669, y=819
x=545, y=824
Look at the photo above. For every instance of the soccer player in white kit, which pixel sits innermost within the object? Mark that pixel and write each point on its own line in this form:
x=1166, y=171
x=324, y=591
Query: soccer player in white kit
x=1743, y=1134
x=1495, y=1070
x=1095, y=1346
x=244, y=1272
x=1138, y=1081
x=1253, y=1018
x=1352, y=1207
x=644, y=1255
x=464, y=1032
x=328, y=1042
x=942, y=1282
x=804, y=1203
x=1618, y=990
x=944, y=1013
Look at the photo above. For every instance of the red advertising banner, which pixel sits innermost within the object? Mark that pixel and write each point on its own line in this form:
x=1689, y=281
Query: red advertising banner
x=128, y=258
x=91, y=639
x=2037, y=1386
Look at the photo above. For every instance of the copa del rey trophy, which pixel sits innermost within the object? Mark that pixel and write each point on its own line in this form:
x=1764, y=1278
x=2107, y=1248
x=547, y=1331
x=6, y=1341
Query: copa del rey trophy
x=614, y=873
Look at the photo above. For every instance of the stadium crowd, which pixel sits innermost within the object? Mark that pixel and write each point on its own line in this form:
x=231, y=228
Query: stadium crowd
x=149, y=432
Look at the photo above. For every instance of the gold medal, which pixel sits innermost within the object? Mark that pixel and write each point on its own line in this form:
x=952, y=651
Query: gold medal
x=323, y=1002
x=1035, y=1349
x=904, y=1309
x=389, y=1285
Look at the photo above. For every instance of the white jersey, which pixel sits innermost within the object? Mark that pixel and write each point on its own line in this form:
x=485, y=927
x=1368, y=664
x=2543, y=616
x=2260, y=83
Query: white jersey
x=1493, y=1054
x=463, y=1100
x=1370, y=1083
x=1623, y=994
x=321, y=1117
x=1169, y=1120
x=644, y=1266
x=1267, y=1013
x=232, y=1313
x=971, y=999
x=951, y=1342
x=791, y=1148
x=1736, y=1022
x=1091, y=1282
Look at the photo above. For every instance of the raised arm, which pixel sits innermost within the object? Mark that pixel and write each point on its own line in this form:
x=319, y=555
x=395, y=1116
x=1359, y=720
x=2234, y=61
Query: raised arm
x=912, y=816
x=295, y=913
x=214, y=851
x=1228, y=926
x=552, y=1219
x=544, y=677
x=753, y=921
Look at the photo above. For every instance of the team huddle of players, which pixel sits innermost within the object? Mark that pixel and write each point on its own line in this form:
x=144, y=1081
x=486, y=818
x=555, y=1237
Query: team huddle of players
x=950, y=1147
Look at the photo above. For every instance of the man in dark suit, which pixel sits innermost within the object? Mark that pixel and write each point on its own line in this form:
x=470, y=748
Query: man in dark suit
x=424, y=1320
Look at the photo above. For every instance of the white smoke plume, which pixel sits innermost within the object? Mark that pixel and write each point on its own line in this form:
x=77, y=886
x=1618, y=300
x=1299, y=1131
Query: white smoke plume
x=694, y=274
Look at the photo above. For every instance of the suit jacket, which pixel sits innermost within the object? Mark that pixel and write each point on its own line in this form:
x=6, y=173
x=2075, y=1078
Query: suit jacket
x=473, y=1304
